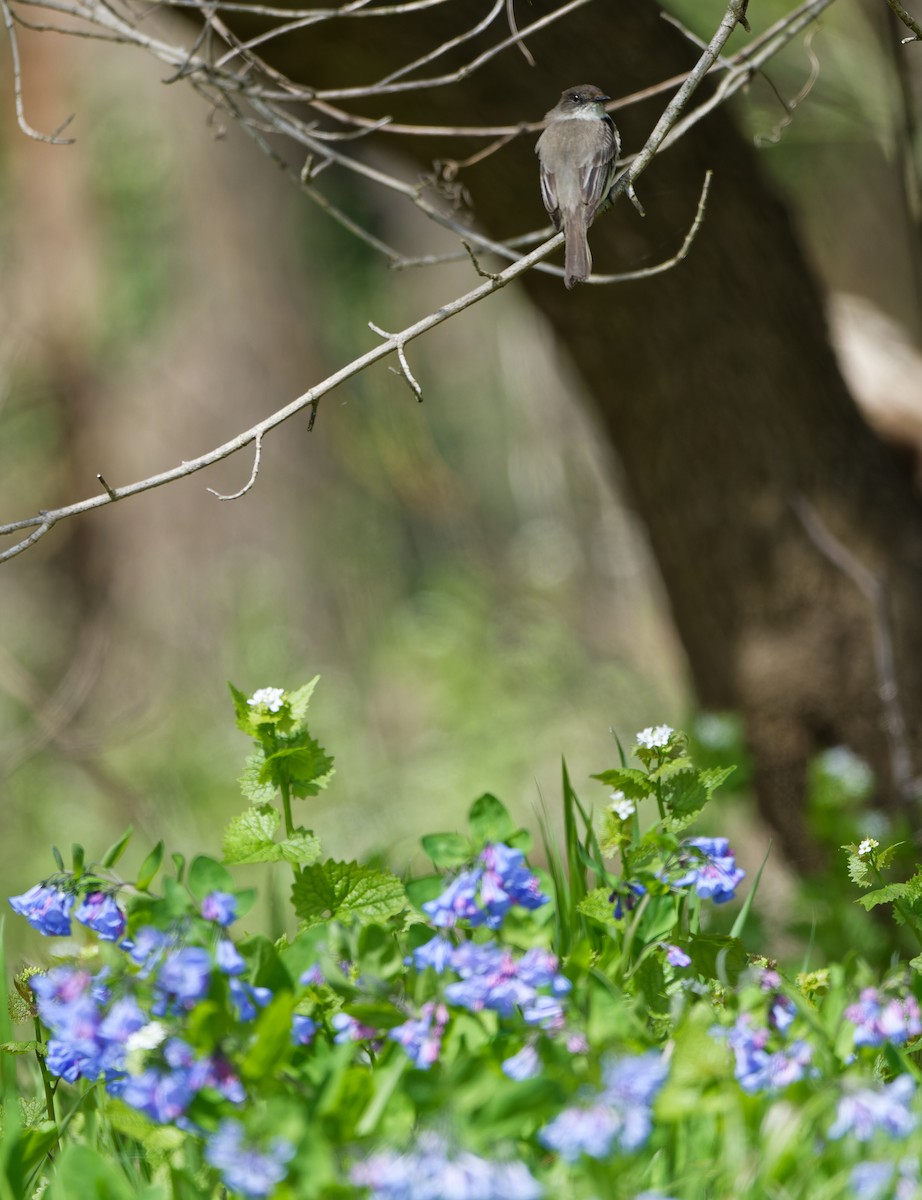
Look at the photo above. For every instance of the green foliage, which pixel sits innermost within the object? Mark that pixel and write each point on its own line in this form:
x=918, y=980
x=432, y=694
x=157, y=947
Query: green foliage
x=501, y=1013
x=339, y=891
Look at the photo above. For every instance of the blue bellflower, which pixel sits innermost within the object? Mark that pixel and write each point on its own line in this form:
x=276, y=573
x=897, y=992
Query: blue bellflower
x=712, y=870
x=46, y=908
x=244, y=1167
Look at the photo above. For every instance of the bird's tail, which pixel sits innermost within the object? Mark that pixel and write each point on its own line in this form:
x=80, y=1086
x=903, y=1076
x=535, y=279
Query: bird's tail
x=577, y=259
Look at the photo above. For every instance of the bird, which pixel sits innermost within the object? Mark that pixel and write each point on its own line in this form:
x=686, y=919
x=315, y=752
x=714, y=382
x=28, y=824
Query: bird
x=578, y=151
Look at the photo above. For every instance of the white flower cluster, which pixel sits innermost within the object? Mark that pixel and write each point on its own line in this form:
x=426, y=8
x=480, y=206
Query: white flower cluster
x=621, y=806
x=865, y=847
x=652, y=738
x=270, y=697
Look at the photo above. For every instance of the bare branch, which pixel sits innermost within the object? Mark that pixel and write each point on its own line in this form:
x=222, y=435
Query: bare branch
x=907, y=20
x=249, y=483
x=54, y=138
x=258, y=98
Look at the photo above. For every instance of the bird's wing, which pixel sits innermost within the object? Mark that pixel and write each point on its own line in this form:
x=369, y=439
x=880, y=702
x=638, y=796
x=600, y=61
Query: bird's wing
x=549, y=196
x=597, y=174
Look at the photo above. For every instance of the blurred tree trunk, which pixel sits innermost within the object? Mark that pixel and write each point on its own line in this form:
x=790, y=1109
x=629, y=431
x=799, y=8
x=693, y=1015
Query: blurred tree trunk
x=716, y=384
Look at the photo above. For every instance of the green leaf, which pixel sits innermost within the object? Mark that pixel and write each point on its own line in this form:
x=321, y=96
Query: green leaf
x=447, y=850
x=90, y=1174
x=717, y=957
x=598, y=905
x=117, y=849
x=207, y=875
x=489, y=821
x=250, y=838
x=634, y=783
x=684, y=797
x=31, y=1047
x=305, y=766
x=248, y=835
x=242, y=710
x=253, y=782
x=78, y=858
x=652, y=984
x=299, y=700
x=343, y=890
x=885, y=895
x=271, y=1043
x=150, y=867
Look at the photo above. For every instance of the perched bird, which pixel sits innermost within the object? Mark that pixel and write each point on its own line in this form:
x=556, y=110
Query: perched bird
x=577, y=151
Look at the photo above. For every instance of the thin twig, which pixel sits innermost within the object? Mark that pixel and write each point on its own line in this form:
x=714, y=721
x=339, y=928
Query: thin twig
x=402, y=359
x=249, y=483
x=53, y=138
x=907, y=20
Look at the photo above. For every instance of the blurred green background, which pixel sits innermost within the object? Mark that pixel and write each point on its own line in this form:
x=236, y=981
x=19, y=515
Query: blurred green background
x=463, y=574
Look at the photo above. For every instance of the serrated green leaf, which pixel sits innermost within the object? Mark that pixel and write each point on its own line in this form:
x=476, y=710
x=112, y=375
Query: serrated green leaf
x=242, y=710
x=306, y=766
x=343, y=890
x=252, y=782
x=250, y=838
x=634, y=783
x=716, y=956
x=651, y=983
x=299, y=700
x=684, y=797
x=885, y=895
x=150, y=867
x=249, y=835
x=598, y=905
x=714, y=777
x=447, y=850
x=489, y=821
x=22, y=1047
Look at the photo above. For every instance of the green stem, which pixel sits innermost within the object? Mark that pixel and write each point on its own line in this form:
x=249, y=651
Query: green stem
x=285, y=789
x=46, y=1078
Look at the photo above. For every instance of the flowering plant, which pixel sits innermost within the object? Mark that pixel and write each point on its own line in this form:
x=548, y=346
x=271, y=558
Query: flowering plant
x=491, y=1029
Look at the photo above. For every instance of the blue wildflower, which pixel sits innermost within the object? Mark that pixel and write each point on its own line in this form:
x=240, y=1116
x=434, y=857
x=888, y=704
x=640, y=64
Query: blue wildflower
x=46, y=908
x=228, y=958
x=243, y=1166
x=619, y=1117
x=676, y=957
x=247, y=999
x=507, y=881
x=878, y=1020
x=524, y=1065
x=303, y=1030
x=422, y=1037
x=348, y=1029
x=457, y=902
x=625, y=898
x=147, y=948
x=493, y=978
x=435, y=953
x=756, y=1068
x=429, y=1170
x=589, y=1130
x=182, y=981
x=100, y=912
x=220, y=907
x=886, y=1180
x=711, y=869
x=863, y=1111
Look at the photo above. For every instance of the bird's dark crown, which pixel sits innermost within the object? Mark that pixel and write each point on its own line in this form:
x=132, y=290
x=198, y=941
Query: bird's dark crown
x=584, y=93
